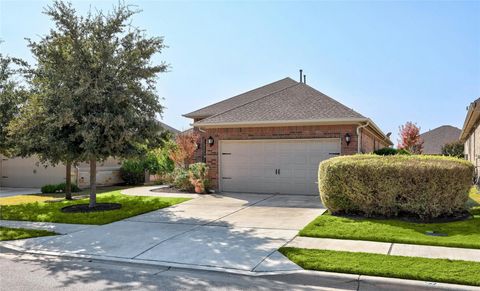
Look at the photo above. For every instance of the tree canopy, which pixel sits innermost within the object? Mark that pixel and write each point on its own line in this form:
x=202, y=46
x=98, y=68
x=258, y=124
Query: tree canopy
x=94, y=88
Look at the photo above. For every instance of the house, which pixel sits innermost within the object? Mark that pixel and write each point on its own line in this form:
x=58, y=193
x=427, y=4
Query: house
x=435, y=139
x=30, y=172
x=271, y=139
x=168, y=128
x=470, y=134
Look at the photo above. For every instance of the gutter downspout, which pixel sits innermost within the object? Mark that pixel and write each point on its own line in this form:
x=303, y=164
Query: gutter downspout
x=359, y=136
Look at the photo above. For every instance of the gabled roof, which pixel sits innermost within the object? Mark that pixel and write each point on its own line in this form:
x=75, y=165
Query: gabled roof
x=471, y=120
x=434, y=139
x=168, y=128
x=299, y=102
x=241, y=99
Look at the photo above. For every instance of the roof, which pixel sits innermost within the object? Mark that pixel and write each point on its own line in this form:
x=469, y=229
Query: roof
x=241, y=99
x=298, y=102
x=168, y=128
x=434, y=139
x=471, y=120
x=283, y=102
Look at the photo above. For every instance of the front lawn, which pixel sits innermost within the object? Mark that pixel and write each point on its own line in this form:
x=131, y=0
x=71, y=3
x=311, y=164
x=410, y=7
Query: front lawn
x=20, y=199
x=438, y=270
x=463, y=234
x=50, y=211
x=7, y=233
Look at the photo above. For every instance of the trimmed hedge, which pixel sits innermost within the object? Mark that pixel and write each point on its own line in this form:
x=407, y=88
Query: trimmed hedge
x=426, y=187
x=56, y=188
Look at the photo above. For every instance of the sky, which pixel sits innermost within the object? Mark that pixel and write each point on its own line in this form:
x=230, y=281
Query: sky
x=392, y=61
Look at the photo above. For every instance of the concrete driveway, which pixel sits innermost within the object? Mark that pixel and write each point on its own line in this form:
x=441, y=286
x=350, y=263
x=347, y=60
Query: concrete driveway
x=229, y=231
x=7, y=191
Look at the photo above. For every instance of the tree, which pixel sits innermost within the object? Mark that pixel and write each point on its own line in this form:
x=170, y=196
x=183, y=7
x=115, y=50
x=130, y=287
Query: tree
x=182, y=154
x=96, y=79
x=453, y=149
x=13, y=95
x=410, y=138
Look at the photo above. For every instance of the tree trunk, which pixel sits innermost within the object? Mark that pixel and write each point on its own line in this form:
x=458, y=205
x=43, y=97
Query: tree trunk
x=93, y=182
x=68, y=182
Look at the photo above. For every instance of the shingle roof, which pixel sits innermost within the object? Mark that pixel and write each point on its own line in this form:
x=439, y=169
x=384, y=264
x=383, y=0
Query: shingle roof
x=434, y=139
x=298, y=102
x=241, y=99
x=168, y=128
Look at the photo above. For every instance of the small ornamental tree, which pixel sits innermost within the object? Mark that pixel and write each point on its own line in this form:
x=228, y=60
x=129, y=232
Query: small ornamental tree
x=453, y=149
x=182, y=154
x=107, y=97
x=409, y=138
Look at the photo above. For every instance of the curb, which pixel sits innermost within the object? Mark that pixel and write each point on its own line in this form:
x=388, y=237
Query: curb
x=316, y=278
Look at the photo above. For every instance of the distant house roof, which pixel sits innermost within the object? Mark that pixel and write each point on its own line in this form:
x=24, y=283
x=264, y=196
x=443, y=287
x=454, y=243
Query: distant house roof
x=434, y=139
x=241, y=99
x=471, y=120
x=169, y=128
x=282, y=102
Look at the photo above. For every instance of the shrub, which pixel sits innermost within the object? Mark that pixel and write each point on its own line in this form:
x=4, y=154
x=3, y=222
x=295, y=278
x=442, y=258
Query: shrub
x=198, y=173
x=58, y=188
x=157, y=161
x=423, y=186
x=181, y=180
x=453, y=149
x=391, y=151
x=132, y=172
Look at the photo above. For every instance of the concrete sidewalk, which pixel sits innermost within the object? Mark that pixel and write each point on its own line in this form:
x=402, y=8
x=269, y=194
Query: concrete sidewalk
x=236, y=232
x=60, y=228
x=394, y=249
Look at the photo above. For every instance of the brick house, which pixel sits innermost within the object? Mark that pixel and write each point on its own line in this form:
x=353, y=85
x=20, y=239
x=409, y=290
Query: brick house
x=470, y=135
x=272, y=139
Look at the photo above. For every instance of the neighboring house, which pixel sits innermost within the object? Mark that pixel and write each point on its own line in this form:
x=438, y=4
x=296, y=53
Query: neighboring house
x=29, y=172
x=272, y=139
x=169, y=128
x=435, y=139
x=470, y=135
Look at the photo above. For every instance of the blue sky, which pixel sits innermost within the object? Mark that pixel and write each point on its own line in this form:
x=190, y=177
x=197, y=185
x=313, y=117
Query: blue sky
x=391, y=61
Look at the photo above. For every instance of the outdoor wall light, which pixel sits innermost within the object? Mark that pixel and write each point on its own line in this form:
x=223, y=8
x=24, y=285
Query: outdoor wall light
x=348, y=138
x=210, y=141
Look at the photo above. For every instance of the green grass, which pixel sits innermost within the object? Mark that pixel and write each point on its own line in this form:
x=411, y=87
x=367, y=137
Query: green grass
x=438, y=270
x=7, y=233
x=50, y=211
x=463, y=234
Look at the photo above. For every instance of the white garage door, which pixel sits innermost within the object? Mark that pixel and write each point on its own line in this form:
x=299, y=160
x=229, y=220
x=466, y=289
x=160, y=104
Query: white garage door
x=274, y=166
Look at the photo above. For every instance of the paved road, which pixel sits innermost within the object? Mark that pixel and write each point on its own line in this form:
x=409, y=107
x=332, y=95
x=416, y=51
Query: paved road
x=40, y=272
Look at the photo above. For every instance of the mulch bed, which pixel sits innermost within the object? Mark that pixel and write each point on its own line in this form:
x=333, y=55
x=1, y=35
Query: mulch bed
x=84, y=208
x=171, y=189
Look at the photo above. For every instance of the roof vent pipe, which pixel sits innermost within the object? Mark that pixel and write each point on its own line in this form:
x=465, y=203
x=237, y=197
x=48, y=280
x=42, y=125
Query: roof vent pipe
x=305, y=79
x=301, y=75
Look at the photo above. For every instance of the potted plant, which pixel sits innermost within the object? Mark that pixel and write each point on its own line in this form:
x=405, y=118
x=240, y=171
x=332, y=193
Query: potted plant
x=198, y=176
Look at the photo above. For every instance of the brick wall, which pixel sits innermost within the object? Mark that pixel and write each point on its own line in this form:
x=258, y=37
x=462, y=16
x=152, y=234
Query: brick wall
x=290, y=132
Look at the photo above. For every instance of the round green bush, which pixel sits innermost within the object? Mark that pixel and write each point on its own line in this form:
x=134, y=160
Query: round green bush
x=132, y=172
x=426, y=187
x=391, y=151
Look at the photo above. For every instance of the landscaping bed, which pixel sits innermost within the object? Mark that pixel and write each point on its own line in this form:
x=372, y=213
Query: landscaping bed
x=7, y=233
x=437, y=270
x=51, y=211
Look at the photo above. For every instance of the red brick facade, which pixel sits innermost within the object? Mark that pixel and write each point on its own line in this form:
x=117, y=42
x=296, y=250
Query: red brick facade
x=209, y=154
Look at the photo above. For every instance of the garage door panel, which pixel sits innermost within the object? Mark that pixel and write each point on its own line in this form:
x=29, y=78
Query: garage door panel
x=252, y=165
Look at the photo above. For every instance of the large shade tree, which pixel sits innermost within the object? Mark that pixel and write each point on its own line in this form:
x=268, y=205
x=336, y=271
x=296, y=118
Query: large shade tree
x=95, y=86
x=13, y=95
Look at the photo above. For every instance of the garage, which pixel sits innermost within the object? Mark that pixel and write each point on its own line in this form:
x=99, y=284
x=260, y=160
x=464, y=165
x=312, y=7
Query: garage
x=282, y=166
